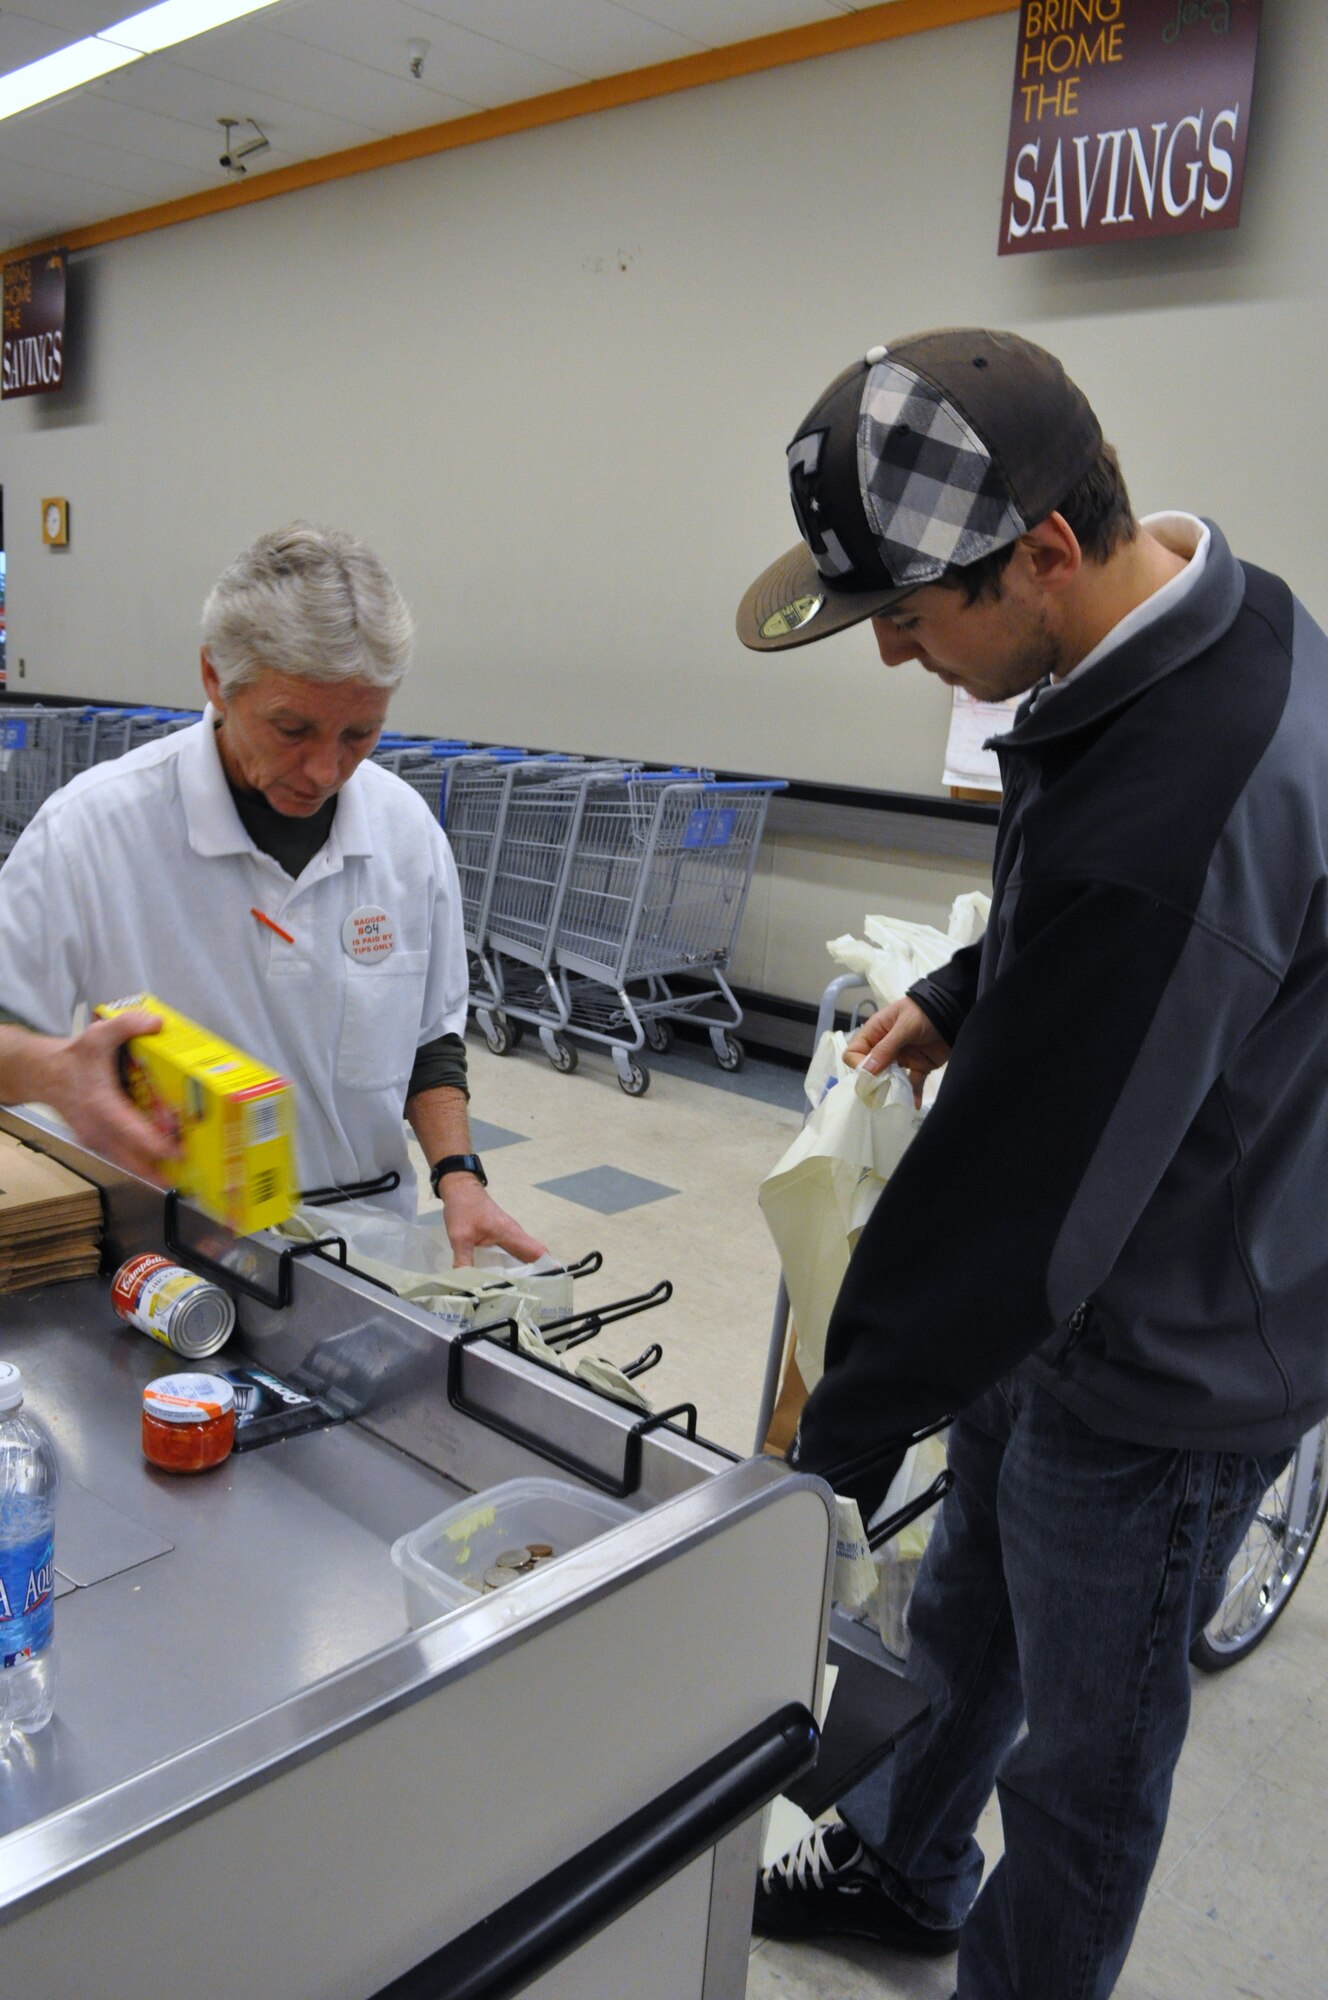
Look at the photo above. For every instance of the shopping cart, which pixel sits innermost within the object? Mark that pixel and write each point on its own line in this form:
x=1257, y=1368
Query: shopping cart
x=543, y=800
x=654, y=892
x=478, y=785
x=423, y=764
x=41, y=749
x=32, y=750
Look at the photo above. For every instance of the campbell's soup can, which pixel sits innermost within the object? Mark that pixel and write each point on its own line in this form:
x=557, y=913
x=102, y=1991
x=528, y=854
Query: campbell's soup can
x=177, y=1307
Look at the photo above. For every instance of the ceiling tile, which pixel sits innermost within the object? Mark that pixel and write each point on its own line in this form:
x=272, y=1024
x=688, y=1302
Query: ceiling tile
x=66, y=20
x=136, y=176
x=167, y=87
x=460, y=64
x=70, y=18
x=249, y=58
x=22, y=42
x=94, y=118
x=29, y=196
x=716, y=25
x=591, y=37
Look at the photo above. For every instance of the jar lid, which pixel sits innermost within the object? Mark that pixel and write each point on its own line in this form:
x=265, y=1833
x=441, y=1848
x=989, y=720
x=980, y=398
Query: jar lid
x=188, y=1399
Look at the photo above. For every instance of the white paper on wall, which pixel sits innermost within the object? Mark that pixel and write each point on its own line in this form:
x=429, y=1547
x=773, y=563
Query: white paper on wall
x=972, y=723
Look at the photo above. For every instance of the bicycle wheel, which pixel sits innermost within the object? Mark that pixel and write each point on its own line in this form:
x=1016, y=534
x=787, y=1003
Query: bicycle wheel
x=1271, y=1560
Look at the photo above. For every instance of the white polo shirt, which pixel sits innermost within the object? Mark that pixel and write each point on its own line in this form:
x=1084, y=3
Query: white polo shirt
x=140, y=876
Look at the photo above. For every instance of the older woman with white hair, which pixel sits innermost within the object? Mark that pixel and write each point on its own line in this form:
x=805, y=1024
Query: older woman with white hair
x=255, y=872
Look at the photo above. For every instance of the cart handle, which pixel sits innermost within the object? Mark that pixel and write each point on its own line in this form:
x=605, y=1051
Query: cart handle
x=507, y=1951
x=698, y=781
x=747, y=785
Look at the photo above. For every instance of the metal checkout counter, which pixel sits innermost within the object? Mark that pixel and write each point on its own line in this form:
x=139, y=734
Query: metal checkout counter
x=260, y=1783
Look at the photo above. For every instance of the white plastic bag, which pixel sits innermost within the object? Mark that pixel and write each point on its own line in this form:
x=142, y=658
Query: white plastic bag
x=894, y=953
x=817, y=1199
x=855, y=1572
x=898, y=1561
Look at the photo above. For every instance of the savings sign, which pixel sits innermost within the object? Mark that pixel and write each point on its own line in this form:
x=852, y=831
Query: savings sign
x=32, y=356
x=1130, y=118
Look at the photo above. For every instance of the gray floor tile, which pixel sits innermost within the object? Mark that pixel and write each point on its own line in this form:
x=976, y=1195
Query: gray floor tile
x=486, y=1138
x=608, y=1190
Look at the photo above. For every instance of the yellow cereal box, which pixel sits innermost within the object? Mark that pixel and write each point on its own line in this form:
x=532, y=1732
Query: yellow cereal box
x=236, y=1117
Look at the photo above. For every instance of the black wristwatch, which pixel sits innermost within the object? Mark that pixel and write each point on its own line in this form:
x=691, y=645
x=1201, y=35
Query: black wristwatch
x=458, y=1163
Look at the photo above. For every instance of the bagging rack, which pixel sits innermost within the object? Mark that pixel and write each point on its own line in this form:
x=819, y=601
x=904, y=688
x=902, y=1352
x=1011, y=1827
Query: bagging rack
x=265, y=1273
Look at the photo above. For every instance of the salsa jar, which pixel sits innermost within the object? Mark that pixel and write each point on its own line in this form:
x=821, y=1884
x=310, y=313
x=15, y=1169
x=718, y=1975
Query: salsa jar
x=188, y=1422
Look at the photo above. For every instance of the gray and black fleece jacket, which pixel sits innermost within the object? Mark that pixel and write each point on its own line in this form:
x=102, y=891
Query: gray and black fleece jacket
x=1123, y=1185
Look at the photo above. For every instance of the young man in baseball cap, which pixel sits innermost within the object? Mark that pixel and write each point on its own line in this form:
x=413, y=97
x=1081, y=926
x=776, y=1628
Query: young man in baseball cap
x=1104, y=1248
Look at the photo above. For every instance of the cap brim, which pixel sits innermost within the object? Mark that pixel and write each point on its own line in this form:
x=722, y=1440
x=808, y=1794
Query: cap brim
x=791, y=604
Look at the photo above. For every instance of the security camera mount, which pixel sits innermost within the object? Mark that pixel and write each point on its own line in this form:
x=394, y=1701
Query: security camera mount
x=233, y=157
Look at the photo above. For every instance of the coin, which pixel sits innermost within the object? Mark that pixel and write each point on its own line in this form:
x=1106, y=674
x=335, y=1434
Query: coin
x=512, y=1559
x=540, y=1550
x=495, y=1578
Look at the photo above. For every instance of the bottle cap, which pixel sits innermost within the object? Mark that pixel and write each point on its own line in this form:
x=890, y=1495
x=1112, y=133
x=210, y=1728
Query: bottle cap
x=11, y=1386
x=188, y=1399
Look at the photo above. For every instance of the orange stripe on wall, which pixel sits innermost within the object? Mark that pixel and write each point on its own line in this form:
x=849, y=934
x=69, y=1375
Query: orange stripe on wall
x=637, y=86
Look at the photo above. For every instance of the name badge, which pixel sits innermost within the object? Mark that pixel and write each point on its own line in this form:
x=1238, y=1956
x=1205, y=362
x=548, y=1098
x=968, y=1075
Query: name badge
x=367, y=934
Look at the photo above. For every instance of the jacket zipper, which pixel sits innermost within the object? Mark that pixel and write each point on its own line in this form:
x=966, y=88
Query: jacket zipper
x=1075, y=1328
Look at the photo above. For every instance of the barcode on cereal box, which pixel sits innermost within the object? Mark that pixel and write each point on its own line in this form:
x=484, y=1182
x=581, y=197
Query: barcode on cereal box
x=264, y=1120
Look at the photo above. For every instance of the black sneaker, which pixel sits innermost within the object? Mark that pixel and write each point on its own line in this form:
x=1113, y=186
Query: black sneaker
x=830, y=1885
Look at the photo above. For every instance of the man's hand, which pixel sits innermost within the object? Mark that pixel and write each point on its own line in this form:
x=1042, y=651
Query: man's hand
x=900, y=1033
x=79, y=1076
x=474, y=1221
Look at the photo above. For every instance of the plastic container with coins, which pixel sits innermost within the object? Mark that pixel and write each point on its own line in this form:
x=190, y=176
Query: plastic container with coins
x=495, y=1538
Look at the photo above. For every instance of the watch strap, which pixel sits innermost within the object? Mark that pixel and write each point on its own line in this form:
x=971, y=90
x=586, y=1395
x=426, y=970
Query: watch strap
x=458, y=1163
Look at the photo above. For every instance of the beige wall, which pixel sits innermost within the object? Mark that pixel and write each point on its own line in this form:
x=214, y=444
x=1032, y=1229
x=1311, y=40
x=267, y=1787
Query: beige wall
x=551, y=379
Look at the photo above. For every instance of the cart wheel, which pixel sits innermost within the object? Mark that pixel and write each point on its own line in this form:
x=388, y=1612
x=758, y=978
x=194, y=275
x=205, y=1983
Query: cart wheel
x=659, y=1034
x=731, y=1055
x=1272, y=1559
x=564, y=1057
x=635, y=1079
x=498, y=1033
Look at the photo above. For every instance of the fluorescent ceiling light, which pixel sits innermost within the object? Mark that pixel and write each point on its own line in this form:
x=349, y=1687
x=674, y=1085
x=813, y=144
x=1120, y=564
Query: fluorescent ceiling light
x=53, y=75
x=177, y=21
x=141, y=34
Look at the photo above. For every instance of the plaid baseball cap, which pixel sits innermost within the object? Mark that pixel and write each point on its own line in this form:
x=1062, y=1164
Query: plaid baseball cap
x=922, y=457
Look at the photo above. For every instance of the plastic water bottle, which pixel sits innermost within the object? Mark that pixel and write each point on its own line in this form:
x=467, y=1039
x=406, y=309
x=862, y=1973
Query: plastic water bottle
x=29, y=1483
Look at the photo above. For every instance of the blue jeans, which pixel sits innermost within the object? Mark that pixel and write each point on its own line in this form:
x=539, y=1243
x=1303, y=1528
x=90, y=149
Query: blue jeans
x=1061, y=1585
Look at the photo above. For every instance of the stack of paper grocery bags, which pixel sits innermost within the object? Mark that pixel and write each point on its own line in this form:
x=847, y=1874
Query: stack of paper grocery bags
x=50, y=1220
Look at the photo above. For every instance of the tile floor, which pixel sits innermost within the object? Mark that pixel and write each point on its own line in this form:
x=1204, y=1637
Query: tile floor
x=1239, y=1904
